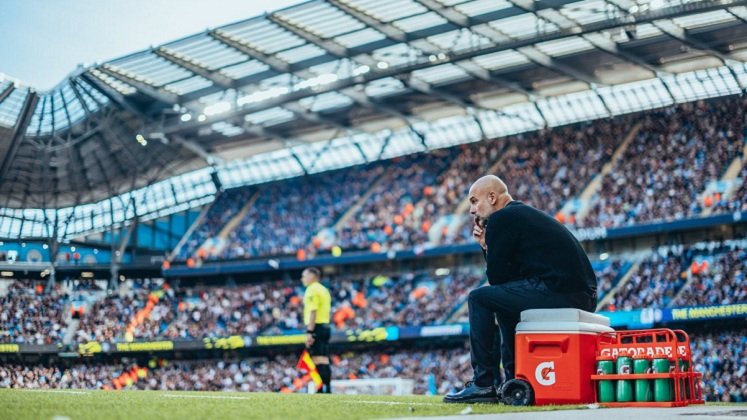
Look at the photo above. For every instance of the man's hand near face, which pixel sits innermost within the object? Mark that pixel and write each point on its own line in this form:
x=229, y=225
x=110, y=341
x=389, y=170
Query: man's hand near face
x=478, y=232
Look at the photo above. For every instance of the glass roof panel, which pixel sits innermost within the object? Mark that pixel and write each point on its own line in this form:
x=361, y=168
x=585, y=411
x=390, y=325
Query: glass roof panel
x=384, y=87
x=36, y=117
x=326, y=101
x=481, y=7
x=358, y=38
x=574, y=107
x=387, y=10
x=154, y=69
x=188, y=85
x=397, y=54
x=10, y=108
x=702, y=84
x=646, y=30
x=118, y=85
x=704, y=19
x=245, y=69
x=321, y=19
x=74, y=107
x=270, y=116
x=501, y=60
x=206, y=51
x=442, y=74
x=565, y=46
x=523, y=26
x=635, y=96
x=263, y=35
x=302, y=53
x=403, y=142
x=459, y=40
x=420, y=22
x=451, y=131
x=590, y=11
x=511, y=120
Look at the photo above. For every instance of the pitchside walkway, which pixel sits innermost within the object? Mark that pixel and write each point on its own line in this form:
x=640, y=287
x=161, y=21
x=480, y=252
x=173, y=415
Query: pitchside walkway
x=710, y=412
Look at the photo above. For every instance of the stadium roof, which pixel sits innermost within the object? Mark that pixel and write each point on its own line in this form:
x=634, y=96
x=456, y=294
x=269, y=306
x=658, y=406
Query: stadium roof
x=326, y=84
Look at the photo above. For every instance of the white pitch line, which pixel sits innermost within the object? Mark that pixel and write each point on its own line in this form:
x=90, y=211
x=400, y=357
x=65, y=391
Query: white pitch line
x=392, y=403
x=214, y=397
x=56, y=391
x=228, y=397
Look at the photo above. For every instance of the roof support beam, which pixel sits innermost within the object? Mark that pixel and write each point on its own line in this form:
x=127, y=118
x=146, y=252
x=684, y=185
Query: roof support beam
x=609, y=46
x=319, y=119
x=198, y=150
x=107, y=91
x=675, y=31
x=365, y=101
x=544, y=60
x=448, y=13
x=7, y=91
x=274, y=63
x=154, y=92
x=331, y=47
x=18, y=132
x=390, y=31
x=198, y=69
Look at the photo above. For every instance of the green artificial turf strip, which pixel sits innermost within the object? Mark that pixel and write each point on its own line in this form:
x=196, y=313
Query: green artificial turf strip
x=140, y=405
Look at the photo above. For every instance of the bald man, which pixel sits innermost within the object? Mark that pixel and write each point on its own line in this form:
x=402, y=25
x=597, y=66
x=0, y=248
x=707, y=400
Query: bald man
x=533, y=262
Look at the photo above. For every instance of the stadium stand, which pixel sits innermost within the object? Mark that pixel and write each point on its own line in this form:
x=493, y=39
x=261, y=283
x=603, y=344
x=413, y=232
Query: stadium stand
x=29, y=315
x=678, y=151
x=547, y=169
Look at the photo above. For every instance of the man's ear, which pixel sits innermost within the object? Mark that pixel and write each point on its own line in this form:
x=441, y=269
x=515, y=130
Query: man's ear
x=492, y=198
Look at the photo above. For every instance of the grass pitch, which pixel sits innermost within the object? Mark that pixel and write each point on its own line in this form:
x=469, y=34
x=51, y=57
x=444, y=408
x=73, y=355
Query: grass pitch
x=141, y=405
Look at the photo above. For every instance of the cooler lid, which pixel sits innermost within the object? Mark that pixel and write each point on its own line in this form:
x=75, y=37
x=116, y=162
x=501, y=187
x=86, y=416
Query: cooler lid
x=561, y=326
x=563, y=315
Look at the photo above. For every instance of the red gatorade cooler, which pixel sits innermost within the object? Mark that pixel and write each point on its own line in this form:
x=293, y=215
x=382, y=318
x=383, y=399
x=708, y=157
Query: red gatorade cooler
x=556, y=354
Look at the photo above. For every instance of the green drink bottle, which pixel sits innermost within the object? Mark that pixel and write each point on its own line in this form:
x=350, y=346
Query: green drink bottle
x=605, y=389
x=624, y=386
x=642, y=386
x=662, y=387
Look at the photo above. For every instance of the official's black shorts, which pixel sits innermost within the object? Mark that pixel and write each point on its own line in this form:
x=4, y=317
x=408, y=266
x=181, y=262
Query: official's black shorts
x=320, y=347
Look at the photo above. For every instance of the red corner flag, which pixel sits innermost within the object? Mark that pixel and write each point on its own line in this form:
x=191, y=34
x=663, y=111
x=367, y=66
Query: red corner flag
x=305, y=363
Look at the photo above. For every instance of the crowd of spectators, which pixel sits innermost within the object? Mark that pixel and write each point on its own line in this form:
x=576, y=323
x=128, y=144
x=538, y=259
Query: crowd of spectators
x=677, y=152
x=737, y=199
x=420, y=298
x=31, y=315
x=718, y=282
x=226, y=205
x=607, y=276
x=397, y=214
x=655, y=282
x=720, y=356
x=288, y=214
x=108, y=318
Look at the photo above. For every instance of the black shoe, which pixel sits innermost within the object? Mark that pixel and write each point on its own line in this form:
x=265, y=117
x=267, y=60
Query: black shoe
x=473, y=394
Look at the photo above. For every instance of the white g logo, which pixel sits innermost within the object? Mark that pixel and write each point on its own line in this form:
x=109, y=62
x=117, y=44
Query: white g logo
x=545, y=373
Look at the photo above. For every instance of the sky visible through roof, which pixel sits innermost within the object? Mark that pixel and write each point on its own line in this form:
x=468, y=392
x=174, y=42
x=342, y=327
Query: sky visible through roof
x=43, y=41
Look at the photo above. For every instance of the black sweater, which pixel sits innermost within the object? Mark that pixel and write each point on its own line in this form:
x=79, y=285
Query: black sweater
x=525, y=243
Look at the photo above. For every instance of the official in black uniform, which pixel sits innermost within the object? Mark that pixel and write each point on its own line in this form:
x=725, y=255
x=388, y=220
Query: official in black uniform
x=533, y=262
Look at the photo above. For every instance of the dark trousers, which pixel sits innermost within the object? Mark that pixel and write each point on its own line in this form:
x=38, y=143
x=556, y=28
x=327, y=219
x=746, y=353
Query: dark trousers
x=505, y=302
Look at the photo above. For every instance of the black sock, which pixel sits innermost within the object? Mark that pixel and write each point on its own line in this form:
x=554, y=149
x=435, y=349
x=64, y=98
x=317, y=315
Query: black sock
x=326, y=373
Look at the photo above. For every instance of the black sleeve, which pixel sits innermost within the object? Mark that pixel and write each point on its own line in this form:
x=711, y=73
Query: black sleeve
x=501, y=237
